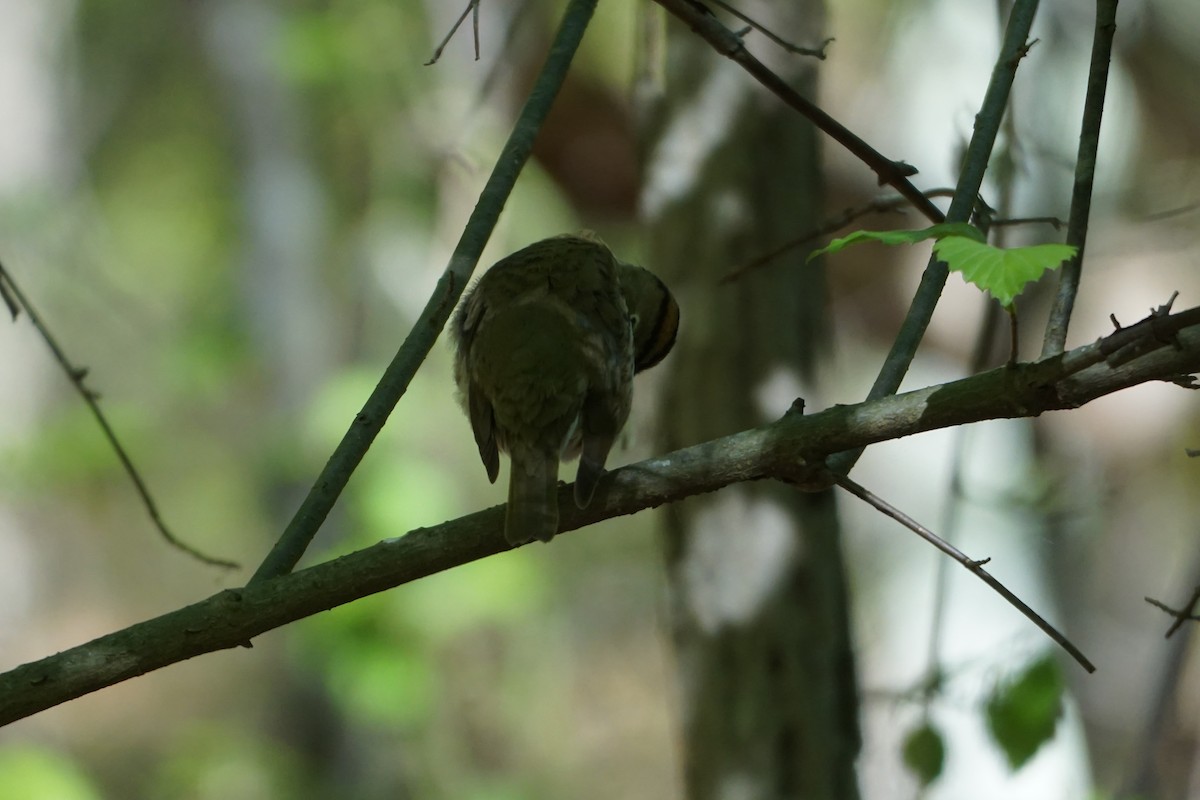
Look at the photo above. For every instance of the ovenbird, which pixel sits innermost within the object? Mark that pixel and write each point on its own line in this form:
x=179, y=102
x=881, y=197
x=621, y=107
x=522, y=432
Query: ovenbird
x=548, y=341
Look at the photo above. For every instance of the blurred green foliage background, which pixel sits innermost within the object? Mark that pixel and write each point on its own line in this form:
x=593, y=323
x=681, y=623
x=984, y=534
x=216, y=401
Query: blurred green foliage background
x=231, y=211
x=237, y=211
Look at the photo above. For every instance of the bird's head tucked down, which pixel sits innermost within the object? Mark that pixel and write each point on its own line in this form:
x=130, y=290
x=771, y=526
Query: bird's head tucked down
x=653, y=313
x=548, y=341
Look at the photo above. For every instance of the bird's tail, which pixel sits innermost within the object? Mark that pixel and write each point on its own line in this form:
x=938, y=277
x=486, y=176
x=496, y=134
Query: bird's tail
x=532, y=511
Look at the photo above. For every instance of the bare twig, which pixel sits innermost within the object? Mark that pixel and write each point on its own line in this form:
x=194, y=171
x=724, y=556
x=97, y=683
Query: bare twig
x=882, y=205
x=1159, y=216
x=10, y=302
x=399, y=373
x=730, y=45
x=952, y=508
x=987, y=124
x=1181, y=615
x=1165, y=700
x=475, y=29
x=1162, y=708
x=933, y=280
x=472, y=9
x=1014, y=342
x=974, y=566
x=78, y=376
x=818, y=52
x=1054, y=222
x=509, y=49
x=980, y=358
x=1161, y=328
x=1085, y=172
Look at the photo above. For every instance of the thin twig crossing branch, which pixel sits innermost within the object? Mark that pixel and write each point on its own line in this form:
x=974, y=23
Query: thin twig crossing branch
x=880, y=205
x=473, y=9
x=400, y=372
x=1181, y=615
x=1085, y=174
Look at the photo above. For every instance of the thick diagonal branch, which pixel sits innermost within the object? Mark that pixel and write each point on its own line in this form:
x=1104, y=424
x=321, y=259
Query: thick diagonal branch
x=979, y=152
x=400, y=372
x=792, y=449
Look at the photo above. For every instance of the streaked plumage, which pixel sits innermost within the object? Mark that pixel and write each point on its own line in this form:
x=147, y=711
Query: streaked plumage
x=548, y=341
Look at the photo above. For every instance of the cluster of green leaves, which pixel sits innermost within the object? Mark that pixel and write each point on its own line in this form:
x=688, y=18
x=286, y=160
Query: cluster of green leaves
x=1022, y=715
x=1001, y=272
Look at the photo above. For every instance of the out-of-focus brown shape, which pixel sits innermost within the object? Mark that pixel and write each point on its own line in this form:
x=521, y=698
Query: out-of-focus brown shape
x=587, y=145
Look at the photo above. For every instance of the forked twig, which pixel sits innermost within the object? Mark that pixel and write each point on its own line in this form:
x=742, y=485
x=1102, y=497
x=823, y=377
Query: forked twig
x=974, y=566
x=472, y=9
x=816, y=52
x=367, y=424
x=1181, y=615
x=882, y=205
x=1161, y=706
x=77, y=376
x=893, y=173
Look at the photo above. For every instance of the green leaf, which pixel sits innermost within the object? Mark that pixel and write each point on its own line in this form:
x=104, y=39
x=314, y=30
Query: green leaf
x=901, y=237
x=925, y=753
x=1001, y=273
x=1023, y=714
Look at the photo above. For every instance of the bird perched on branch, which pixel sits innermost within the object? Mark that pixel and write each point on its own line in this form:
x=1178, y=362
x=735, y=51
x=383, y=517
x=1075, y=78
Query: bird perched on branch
x=548, y=341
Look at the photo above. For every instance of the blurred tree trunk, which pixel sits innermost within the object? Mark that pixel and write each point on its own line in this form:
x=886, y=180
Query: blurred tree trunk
x=757, y=584
x=285, y=308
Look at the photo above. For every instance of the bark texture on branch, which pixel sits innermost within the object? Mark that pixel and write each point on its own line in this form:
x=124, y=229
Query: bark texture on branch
x=792, y=449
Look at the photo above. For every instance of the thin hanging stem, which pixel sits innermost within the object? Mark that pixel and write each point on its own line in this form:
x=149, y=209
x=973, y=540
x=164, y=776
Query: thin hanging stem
x=933, y=280
x=971, y=564
x=78, y=376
